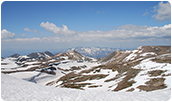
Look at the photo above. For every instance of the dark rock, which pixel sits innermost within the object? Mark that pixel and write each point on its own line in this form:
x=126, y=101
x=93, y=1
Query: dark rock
x=15, y=55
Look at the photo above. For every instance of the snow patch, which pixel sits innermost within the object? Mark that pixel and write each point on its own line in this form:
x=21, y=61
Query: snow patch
x=148, y=53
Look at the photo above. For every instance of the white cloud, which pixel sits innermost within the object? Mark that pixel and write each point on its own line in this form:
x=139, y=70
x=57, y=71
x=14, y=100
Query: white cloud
x=6, y=34
x=27, y=29
x=163, y=11
x=34, y=30
x=57, y=30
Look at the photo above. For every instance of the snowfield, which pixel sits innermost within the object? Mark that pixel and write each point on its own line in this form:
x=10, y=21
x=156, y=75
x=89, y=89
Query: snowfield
x=8, y=64
x=44, y=78
x=14, y=89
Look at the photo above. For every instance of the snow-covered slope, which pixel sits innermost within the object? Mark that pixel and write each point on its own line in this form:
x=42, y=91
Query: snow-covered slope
x=146, y=69
x=14, y=89
x=52, y=68
x=45, y=75
x=95, y=52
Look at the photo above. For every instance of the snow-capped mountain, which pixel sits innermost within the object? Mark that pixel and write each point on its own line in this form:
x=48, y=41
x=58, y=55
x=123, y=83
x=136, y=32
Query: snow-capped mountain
x=40, y=55
x=35, y=61
x=145, y=69
x=31, y=56
x=94, y=52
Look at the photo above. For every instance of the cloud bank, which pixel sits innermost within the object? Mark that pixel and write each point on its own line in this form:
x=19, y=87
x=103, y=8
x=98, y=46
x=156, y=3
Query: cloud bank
x=6, y=34
x=122, y=33
x=163, y=11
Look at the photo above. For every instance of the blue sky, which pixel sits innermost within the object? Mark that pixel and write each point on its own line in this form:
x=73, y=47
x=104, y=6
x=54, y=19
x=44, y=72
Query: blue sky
x=40, y=26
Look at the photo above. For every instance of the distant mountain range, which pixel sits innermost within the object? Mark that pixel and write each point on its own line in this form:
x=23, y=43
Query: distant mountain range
x=94, y=52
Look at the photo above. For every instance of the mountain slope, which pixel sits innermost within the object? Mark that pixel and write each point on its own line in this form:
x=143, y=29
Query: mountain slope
x=146, y=68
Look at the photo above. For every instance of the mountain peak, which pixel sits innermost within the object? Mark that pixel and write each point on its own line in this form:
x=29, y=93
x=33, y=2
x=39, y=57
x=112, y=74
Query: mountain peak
x=15, y=55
